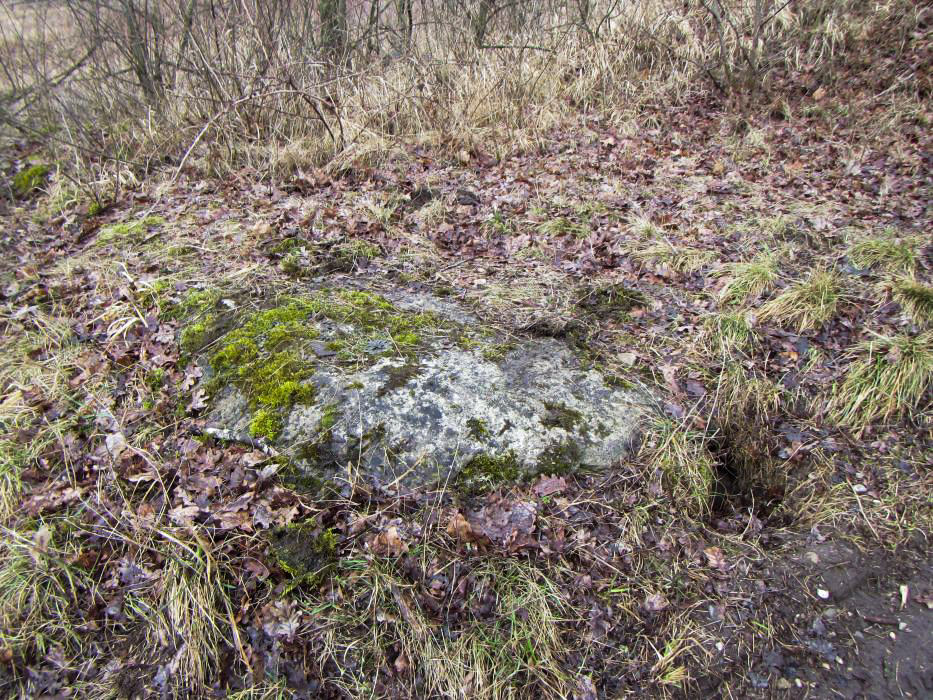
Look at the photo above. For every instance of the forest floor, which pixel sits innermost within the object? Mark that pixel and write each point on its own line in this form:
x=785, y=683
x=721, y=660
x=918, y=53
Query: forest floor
x=776, y=271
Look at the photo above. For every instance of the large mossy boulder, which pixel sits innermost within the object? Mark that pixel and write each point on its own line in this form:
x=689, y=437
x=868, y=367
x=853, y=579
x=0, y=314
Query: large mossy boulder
x=412, y=393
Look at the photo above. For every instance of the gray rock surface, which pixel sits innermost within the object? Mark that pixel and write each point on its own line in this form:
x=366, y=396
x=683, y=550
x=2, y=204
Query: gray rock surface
x=422, y=419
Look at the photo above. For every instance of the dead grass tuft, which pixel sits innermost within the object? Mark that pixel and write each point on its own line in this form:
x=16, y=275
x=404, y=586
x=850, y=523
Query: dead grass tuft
x=889, y=253
x=806, y=304
x=685, y=464
x=562, y=226
x=505, y=655
x=916, y=298
x=747, y=280
x=887, y=378
x=896, y=513
x=645, y=228
x=40, y=591
x=745, y=410
x=728, y=333
x=682, y=259
x=190, y=597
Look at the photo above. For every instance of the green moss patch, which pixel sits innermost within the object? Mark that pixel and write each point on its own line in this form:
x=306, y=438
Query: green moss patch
x=128, y=231
x=155, y=294
x=477, y=428
x=263, y=360
x=399, y=377
x=305, y=552
x=328, y=419
x=561, y=416
x=155, y=379
x=195, y=302
x=560, y=458
x=265, y=424
x=486, y=472
x=266, y=356
x=611, y=301
x=287, y=245
x=29, y=180
x=380, y=329
x=496, y=352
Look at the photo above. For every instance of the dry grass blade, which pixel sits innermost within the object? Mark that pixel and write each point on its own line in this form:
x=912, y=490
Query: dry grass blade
x=747, y=280
x=916, y=298
x=728, y=333
x=806, y=304
x=680, y=259
x=685, y=463
x=888, y=377
x=891, y=254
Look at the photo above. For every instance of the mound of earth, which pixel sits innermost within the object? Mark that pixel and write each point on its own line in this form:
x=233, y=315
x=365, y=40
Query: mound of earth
x=419, y=396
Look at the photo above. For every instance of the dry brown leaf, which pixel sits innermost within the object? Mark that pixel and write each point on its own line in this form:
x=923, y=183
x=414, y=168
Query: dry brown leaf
x=655, y=602
x=548, y=485
x=716, y=558
x=184, y=515
x=506, y=522
x=669, y=372
x=460, y=528
x=198, y=401
x=389, y=543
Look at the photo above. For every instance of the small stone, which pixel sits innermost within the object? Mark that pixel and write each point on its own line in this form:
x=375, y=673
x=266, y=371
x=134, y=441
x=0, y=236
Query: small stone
x=116, y=444
x=783, y=684
x=822, y=593
x=859, y=488
x=320, y=349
